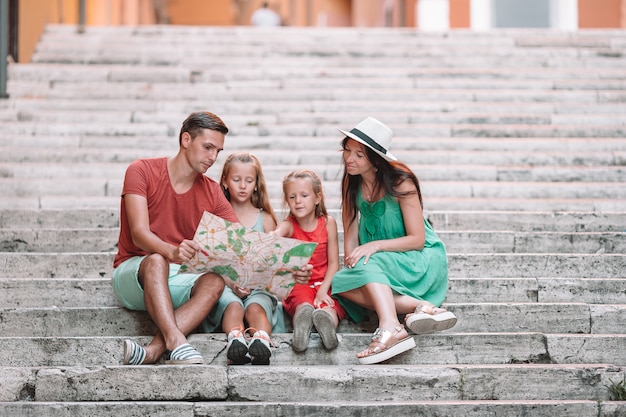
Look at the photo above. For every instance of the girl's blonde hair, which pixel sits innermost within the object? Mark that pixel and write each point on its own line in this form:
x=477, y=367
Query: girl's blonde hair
x=320, y=209
x=260, y=198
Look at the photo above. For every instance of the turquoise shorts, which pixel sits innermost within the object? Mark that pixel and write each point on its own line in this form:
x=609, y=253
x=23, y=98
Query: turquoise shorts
x=130, y=294
x=273, y=310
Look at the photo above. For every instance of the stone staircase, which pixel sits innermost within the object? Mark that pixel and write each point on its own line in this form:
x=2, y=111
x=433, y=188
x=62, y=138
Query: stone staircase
x=518, y=138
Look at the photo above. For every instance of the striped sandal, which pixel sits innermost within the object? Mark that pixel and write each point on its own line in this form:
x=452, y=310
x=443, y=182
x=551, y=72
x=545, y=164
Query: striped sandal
x=184, y=354
x=133, y=353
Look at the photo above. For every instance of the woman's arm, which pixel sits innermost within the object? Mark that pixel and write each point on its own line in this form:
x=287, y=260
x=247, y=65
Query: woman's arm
x=413, y=218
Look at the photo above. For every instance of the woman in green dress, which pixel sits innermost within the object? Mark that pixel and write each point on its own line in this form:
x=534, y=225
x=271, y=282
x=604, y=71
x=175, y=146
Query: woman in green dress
x=394, y=262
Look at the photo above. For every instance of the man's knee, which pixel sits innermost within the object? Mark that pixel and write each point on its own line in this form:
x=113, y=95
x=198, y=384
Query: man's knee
x=153, y=265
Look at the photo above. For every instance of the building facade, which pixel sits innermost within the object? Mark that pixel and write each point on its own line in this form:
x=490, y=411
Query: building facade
x=29, y=17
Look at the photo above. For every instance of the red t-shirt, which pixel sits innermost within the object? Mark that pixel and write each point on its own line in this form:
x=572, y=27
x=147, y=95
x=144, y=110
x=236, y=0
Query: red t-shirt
x=173, y=217
x=319, y=260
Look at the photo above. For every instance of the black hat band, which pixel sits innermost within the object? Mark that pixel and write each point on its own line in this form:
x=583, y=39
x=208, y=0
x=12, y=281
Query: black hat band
x=369, y=140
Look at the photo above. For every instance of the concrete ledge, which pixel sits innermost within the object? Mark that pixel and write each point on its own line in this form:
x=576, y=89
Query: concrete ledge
x=513, y=408
x=440, y=348
x=472, y=318
x=476, y=265
x=473, y=265
x=105, y=240
x=298, y=383
x=80, y=292
x=461, y=220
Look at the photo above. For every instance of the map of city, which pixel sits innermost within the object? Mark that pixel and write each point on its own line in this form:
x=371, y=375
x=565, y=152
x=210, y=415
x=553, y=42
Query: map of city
x=248, y=258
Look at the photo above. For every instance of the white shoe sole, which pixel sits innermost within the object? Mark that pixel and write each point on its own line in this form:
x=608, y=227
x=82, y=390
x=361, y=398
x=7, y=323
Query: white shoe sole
x=423, y=323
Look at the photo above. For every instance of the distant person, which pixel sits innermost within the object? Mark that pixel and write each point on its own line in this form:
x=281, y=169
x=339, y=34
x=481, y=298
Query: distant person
x=163, y=200
x=394, y=262
x=310, y=304
x=247, y=316
x=265, y=17
x=161, y=13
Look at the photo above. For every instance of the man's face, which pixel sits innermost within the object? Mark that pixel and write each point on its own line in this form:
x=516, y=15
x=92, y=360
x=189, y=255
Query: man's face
x=202, y=151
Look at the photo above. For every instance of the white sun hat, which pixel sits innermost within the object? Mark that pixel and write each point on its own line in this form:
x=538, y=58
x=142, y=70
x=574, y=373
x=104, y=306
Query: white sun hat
x=373, y=134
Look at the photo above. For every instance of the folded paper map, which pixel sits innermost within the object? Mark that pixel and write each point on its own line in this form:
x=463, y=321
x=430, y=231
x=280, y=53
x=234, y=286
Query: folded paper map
x=248, y=258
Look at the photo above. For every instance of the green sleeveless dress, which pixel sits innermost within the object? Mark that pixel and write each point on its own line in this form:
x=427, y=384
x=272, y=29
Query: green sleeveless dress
x=422, y=274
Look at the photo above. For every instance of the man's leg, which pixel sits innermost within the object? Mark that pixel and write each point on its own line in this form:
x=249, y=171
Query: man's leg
x=174, y=325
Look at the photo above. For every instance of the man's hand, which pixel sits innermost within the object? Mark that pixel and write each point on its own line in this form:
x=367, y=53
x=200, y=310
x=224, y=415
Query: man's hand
x=185, y=251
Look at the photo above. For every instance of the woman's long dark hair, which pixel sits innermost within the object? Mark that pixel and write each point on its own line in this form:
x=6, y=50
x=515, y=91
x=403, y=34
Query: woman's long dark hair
x=388, y=176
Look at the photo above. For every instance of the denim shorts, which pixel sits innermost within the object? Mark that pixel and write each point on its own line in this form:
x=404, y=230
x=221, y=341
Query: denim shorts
x=130, y=294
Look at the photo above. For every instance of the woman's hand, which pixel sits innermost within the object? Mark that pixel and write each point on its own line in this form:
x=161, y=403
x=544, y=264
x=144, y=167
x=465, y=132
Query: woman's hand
x=362, y=251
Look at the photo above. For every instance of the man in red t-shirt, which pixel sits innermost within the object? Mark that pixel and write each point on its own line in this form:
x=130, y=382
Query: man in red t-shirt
x=162, y=202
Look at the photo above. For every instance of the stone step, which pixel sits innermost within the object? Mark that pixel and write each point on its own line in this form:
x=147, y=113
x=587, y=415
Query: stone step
x=331, y=141
x=340, y=408
x=435, y=349
x=304, y=45
x=562, y=78
x=472, y=318
x=27, y=76
x=42, y=170
x=112, y=186
x=329, y=157
x=47, y=202
x=81, y=292
x=469, y=241
x=522, y=221
x=277, y=109
x=237, y=122
x=296, y=384
x=138, y=84
x=468, y=265
x=445, y=220
x=153, y=53
x=190, y=91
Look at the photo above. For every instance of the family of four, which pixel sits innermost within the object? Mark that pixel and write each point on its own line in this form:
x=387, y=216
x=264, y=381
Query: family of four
x=394, y=263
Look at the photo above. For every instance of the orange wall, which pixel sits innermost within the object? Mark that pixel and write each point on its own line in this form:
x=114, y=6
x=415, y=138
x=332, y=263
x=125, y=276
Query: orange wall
x=196, y=12
x=34, y=15
x=459, y=14
x=607, y=14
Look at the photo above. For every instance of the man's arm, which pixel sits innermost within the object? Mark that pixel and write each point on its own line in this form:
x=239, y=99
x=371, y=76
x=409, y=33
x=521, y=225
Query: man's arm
x=139, y=223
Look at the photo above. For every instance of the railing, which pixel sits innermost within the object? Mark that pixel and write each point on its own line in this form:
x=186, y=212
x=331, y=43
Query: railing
x=4, y=46
x=81, y=16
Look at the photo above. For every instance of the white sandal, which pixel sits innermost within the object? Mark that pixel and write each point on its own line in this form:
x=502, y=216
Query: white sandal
x=428, y=319
x=385, y=345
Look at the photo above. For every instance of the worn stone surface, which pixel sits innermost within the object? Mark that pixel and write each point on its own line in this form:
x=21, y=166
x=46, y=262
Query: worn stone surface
x=522, y=174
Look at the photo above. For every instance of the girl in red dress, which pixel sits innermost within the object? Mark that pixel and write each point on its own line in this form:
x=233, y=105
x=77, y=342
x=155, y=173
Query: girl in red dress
x=311, y=305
